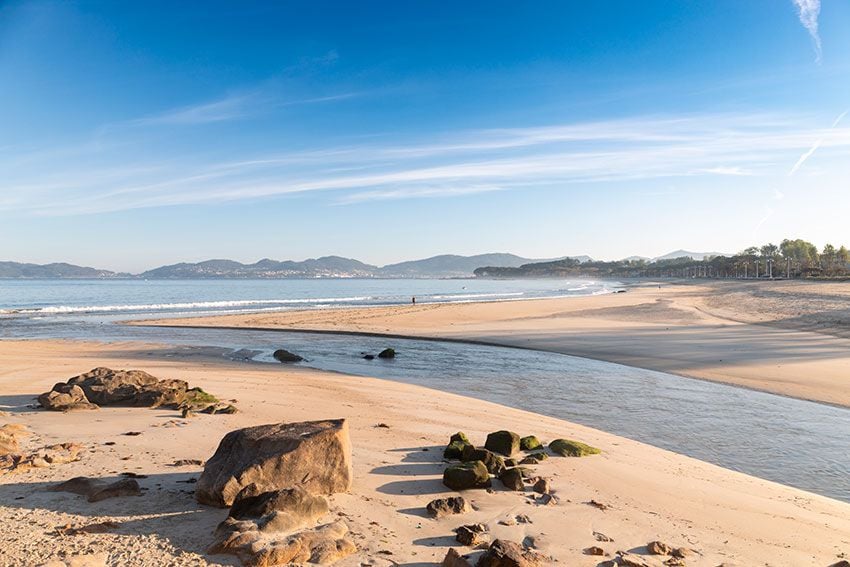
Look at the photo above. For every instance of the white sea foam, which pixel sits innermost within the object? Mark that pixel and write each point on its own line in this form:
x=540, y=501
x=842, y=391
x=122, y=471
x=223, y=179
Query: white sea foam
x=476, y=295
x=69, y=309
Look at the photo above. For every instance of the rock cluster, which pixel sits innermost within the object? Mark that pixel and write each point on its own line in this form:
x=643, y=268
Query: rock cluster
x=12, y=458
x=135, y=388
x=496, y=459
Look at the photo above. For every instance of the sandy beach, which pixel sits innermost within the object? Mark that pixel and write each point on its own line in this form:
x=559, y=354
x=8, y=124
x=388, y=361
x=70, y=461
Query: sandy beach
x=727, y=517
x=790, y=338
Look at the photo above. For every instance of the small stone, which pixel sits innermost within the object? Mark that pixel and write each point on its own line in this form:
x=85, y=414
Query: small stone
x=541, y=486
x=630, y=560
x=658, y=548
x=455, y=559
x=547, y=500
x=448, y=506
x=187, y=463
x=502, y=553
x=471, y=535
x=682, y=552
x=595, y=550
x=601, y=537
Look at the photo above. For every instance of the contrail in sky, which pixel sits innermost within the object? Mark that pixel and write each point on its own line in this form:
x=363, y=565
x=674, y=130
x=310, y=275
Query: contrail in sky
x=814, y=148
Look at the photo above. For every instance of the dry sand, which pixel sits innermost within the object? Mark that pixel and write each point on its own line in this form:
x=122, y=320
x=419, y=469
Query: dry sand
x=727, y=517
x=790, y=338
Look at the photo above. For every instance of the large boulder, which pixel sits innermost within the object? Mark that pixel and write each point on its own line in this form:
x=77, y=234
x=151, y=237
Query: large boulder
x=503, y=442
x=530, y=443
x=65, y=397
x=502, y=553
x=467, y=475
x=107, y=387
x=570, y=448
x=313, y=455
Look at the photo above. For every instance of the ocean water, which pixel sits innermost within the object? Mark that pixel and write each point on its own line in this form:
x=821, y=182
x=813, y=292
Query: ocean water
x=794, y=442
x=157, y=298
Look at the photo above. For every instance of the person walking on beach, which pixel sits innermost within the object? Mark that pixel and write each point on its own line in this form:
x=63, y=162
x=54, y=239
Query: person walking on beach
x=413, y=300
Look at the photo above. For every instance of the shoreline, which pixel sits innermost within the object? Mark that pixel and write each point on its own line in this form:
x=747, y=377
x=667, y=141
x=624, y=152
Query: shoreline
x=652, y=493
x=672, y=328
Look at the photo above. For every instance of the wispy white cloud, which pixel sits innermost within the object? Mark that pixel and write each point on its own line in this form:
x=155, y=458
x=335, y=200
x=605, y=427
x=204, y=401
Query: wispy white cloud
x=809, y=12
x=806, y=155
x=461, y=163
x=227, y=108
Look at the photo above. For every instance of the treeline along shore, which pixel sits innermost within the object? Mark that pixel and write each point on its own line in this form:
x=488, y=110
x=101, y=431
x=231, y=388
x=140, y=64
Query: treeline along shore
x=790, y=259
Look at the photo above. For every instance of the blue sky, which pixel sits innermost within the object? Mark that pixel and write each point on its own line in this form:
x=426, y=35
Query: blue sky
x=137, y=135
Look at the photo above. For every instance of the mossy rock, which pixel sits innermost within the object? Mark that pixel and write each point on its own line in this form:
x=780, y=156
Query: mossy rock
x=464, y=476
x=494, y=463
x=283, y=355
x=197, y=397
x=457, y=442
x=503, y=442
x=530, y=443
x=534, y=458
x=570, y=448
x=220, y=409
x=387, y=353
x=512, y=479
x=460, y=436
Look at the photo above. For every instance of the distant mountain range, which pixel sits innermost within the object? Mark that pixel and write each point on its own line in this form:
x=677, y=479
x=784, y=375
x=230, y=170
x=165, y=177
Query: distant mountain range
x=443, y=266
x=686, y=254
x=50, y=271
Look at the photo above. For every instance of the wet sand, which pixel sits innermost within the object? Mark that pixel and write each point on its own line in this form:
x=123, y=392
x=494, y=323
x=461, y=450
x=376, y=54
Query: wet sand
x=788, y=338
